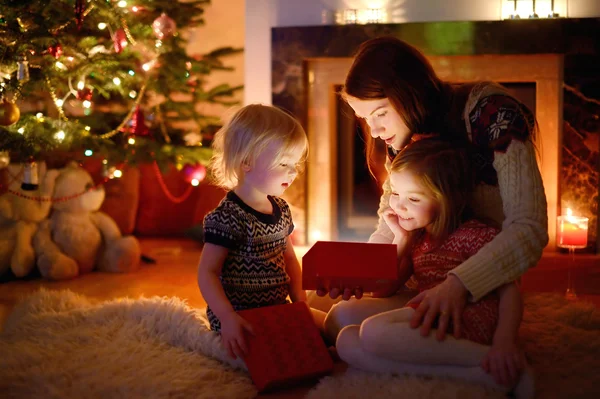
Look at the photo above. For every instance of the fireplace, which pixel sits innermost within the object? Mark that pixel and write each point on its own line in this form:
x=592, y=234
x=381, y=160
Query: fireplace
x=543, y=61
x=325, y=74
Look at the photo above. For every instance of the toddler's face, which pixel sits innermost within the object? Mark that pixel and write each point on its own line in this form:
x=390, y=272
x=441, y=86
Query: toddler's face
x=413, y=202
x=274, y=179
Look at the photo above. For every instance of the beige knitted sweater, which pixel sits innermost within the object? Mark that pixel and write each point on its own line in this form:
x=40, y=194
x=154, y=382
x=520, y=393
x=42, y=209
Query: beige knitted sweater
x=517, y=202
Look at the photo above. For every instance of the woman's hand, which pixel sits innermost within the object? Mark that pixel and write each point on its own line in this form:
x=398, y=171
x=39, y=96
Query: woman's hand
x=334, y=292
x=505, y=362
x=232, y=334
x=446, y=300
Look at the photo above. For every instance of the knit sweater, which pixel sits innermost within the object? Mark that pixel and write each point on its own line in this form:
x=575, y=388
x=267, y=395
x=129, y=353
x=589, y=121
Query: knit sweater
x=509, y=191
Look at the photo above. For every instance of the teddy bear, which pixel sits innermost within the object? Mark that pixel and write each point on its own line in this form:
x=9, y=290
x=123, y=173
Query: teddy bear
x=20, y=213
x=78, y=238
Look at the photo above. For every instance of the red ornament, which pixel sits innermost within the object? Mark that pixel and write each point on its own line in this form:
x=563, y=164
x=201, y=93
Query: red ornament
x=163, y=27
x=194, y=172
x=79, y=12
x=56, y=51
x=137, y=124
x=84, y=94
x=119, y=40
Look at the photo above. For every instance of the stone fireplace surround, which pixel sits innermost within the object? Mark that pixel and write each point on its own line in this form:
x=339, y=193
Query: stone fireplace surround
x=562, y=58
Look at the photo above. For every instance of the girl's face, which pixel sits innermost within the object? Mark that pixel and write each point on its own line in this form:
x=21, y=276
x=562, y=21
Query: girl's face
x=413, y=202
x=384, y=121
x=265, y=178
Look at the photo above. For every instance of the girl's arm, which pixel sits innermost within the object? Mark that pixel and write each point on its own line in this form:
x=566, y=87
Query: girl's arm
x=211, y=261
x=292, y=267
x=233, y=326
x=510, y=313
x=505, y=360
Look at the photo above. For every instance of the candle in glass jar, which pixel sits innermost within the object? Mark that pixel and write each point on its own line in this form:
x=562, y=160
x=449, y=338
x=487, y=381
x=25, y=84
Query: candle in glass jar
x=572, y=231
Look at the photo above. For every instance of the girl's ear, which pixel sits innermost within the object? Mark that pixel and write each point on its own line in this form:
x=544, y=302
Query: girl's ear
x=245, y=167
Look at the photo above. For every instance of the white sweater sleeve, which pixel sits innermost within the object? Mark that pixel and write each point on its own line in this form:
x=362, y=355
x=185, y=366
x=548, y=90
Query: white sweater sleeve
x=525, y=228
x=383, y=234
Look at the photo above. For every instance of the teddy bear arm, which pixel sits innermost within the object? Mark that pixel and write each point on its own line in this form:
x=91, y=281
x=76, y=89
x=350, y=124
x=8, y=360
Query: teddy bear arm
x=51, y=261
x=6, y=211
x=107, y=226
x=23, y=259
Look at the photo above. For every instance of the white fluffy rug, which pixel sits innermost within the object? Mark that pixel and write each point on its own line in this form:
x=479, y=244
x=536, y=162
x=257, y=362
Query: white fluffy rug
x=57, y=344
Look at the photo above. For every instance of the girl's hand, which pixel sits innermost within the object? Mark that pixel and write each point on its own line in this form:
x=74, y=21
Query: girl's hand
x=505, y=362
x=447, y=300
x=232, y=334
x=391, y=219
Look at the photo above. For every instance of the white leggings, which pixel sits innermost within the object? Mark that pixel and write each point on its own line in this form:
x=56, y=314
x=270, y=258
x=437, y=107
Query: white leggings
x=374, y=334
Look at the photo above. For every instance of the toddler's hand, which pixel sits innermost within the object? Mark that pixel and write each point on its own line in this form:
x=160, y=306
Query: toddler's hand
x=504, y=361
x=232, y=334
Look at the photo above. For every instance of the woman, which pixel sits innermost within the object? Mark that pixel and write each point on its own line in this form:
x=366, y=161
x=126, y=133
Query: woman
x=393, y=88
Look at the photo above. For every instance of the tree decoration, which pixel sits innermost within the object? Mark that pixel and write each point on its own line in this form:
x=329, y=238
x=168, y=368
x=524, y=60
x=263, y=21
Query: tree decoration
x=79, y=12
x=193, y=139
x=163, y=27
x=194, y=173
x=4, y=159
x=56, y=50
x=22, y=69
x=9, y=113
x=119, y=40
x=40, y=42
x=84, y=94
x=31, y=179
x=138, y=125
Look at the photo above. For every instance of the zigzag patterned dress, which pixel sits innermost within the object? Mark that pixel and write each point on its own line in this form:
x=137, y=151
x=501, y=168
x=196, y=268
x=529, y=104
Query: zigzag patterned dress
x=431, y=265
x=253, y=274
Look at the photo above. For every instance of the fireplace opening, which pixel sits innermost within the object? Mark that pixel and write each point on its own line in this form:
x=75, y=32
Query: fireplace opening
x=358, y=190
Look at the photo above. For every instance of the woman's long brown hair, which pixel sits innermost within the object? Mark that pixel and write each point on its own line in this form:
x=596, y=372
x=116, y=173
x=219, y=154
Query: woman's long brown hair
x=386, y=67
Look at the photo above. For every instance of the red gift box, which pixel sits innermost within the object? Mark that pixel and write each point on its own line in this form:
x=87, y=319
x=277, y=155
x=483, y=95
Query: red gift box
x=286, y=347
x=330, y=264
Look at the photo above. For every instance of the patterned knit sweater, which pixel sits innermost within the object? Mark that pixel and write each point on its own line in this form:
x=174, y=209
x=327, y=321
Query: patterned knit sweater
x=253, y=274
x=432, y=264
x=509, y=191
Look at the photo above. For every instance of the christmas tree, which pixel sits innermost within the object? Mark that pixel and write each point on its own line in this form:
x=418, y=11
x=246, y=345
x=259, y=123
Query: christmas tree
x=105, y=78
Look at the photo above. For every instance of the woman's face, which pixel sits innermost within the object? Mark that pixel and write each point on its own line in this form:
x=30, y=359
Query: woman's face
x=384, y=121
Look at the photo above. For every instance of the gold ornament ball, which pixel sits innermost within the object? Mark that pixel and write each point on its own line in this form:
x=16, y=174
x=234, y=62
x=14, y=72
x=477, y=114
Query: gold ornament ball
x=9, y=113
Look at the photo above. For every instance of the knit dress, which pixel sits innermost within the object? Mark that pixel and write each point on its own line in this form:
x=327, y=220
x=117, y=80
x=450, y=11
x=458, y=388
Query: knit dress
x=253, y=274
x=431, y=265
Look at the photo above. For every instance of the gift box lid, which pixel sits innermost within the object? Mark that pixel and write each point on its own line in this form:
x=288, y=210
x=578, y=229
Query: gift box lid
x=286, y=347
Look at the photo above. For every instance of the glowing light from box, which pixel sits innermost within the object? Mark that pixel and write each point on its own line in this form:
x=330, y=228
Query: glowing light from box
x=316, y=235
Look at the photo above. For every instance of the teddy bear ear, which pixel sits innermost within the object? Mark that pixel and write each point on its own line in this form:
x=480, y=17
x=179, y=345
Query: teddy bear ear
x=72, y=165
